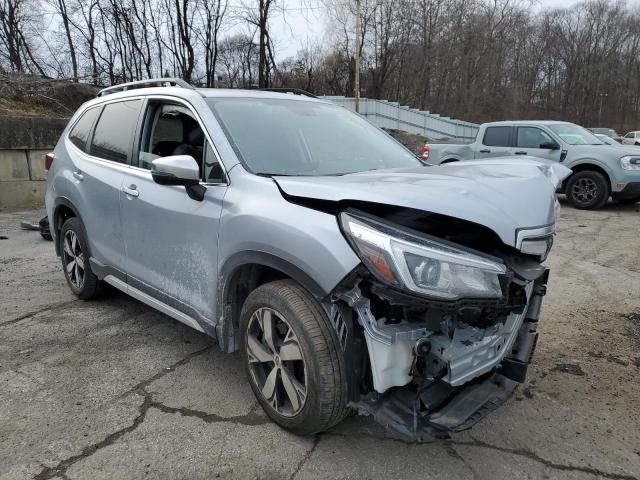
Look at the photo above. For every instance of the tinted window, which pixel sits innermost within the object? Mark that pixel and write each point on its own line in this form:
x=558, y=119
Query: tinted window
x=293, y=137
x=531, y=137
x=80, y=132
x=497, y=137
x=114, y=131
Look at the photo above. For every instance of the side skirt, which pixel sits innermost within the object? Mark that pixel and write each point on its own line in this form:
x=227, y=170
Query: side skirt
x=153, y=302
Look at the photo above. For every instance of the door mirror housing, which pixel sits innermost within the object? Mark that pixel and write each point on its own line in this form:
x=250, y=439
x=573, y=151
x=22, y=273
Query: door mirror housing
x=175, y=170
x=550, y=146
x=179, y=170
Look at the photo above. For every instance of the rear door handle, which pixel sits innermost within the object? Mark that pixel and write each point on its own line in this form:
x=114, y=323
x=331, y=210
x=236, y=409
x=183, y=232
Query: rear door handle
x=521, y=153
x=78, y=175
x=131, y=190
x=485, y=151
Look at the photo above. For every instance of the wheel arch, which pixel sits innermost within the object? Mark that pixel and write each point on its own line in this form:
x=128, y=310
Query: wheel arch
x=242, y=273
x=62, y=211
x=581, y=167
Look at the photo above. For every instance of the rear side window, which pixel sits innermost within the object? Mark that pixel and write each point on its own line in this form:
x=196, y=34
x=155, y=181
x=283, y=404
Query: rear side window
x=115, y=129
x=497, y=137
x=80, y=132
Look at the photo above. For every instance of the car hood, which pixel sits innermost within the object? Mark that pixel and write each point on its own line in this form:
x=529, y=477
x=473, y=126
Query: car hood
x=614, y=150
x=505, y=195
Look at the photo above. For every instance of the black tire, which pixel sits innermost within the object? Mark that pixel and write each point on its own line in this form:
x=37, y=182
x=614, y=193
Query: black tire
x=86, y=286
x=325, y=401
x=587, y=190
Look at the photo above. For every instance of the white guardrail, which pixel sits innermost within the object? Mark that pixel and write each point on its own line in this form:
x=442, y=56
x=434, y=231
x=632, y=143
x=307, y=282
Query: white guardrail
x=392, y=115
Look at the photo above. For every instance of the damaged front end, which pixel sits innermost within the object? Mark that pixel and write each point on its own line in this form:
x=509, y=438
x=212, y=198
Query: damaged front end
x=438, y=333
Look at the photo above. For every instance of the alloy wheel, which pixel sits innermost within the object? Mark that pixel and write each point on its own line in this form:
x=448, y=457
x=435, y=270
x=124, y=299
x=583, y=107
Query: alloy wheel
x=584, y=190
x=74, y=261
x=276, y=362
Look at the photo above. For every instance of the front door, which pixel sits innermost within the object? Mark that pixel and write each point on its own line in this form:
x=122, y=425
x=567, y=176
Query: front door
x=535, y=142
x=170, y=239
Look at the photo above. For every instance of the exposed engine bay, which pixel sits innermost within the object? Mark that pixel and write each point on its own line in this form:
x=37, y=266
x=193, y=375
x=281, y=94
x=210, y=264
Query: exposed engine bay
x=428, y=361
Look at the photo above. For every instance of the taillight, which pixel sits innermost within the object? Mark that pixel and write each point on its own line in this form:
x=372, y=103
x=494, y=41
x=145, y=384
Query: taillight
x=48, y=160
x=425, y=153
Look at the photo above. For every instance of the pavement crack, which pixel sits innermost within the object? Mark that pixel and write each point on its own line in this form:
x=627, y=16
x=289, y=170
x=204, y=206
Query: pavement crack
x=452, y=452
x=35, y=312
x=306, y=457
x=251, y=418
x=60, y=470
x=536, y=458
x=142, y=386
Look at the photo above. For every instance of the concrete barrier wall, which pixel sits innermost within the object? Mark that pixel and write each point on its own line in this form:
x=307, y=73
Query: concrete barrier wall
x=392, y=115
x=23, y=144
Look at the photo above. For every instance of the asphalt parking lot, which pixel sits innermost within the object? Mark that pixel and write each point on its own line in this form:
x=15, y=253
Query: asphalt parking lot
x=113, y=389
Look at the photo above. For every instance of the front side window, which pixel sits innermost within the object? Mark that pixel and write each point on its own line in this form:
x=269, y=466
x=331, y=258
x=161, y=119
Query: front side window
x=172, y=129
x=532, y=137
x=497, y=137
x=115, y=129
x=297, y=137
x=81, y=130
x=575, y=135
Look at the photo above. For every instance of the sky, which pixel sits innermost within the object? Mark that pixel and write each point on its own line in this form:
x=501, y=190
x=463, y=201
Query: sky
x=305, y=20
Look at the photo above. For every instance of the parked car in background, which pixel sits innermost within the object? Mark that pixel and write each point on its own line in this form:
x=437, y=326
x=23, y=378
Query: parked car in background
x=345, y=279
x=610, y=132
x=606, y=139
x=632, y=138
x=599, y=171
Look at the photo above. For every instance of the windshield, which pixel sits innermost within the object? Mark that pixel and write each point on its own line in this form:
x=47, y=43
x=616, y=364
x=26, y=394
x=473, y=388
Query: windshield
x=292, y=137
x=575, y=135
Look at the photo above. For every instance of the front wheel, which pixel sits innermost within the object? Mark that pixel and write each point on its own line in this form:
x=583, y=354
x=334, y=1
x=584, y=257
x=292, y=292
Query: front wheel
x=292, y=357
x=587, y=190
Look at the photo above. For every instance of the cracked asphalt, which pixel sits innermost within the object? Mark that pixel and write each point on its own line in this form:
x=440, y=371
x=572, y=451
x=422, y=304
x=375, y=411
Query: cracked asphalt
x=114, y=389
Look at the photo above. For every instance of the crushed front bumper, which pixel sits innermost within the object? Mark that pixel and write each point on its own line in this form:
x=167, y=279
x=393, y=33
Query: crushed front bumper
x=478, y=381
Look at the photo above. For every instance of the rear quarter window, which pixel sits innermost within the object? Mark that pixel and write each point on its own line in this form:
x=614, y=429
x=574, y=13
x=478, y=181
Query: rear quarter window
x=80, y=132
x=115, y=130
x=497, y=137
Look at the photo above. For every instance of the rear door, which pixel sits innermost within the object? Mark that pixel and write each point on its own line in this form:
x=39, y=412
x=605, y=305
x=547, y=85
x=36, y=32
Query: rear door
x=497, y=141
x=99, y=170
x=171, y=239
x=535, y=142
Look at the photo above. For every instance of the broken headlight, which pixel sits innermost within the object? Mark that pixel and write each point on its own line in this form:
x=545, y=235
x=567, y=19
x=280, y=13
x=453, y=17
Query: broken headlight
x=422, y=264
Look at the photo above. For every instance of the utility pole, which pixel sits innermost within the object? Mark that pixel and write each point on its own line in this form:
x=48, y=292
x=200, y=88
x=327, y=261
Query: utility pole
x=600, y=110
x=357, y=59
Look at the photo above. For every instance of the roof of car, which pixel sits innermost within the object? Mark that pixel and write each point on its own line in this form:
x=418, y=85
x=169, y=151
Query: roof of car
x=528, y=122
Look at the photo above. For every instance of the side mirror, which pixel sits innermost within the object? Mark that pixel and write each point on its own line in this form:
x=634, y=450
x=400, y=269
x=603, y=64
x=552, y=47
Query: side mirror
x=175, y=170
x=179, y=170
x=550, y=146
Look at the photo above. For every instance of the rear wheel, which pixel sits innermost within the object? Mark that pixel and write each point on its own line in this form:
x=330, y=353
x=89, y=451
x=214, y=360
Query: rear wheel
x=75, y=260
x=292, y=357
x=587, y=190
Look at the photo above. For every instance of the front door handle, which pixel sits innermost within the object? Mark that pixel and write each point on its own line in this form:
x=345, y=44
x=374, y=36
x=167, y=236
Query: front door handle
x=521, y=153
x=78, y=175
x=485, y=151
x=131, y=190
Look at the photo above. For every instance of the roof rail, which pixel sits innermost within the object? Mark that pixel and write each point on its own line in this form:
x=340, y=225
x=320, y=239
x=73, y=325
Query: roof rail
x=152, y=82
x=295, y=91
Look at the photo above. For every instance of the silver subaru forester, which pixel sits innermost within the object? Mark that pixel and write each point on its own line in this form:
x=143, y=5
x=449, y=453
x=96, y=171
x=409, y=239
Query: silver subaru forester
x=350, y=276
